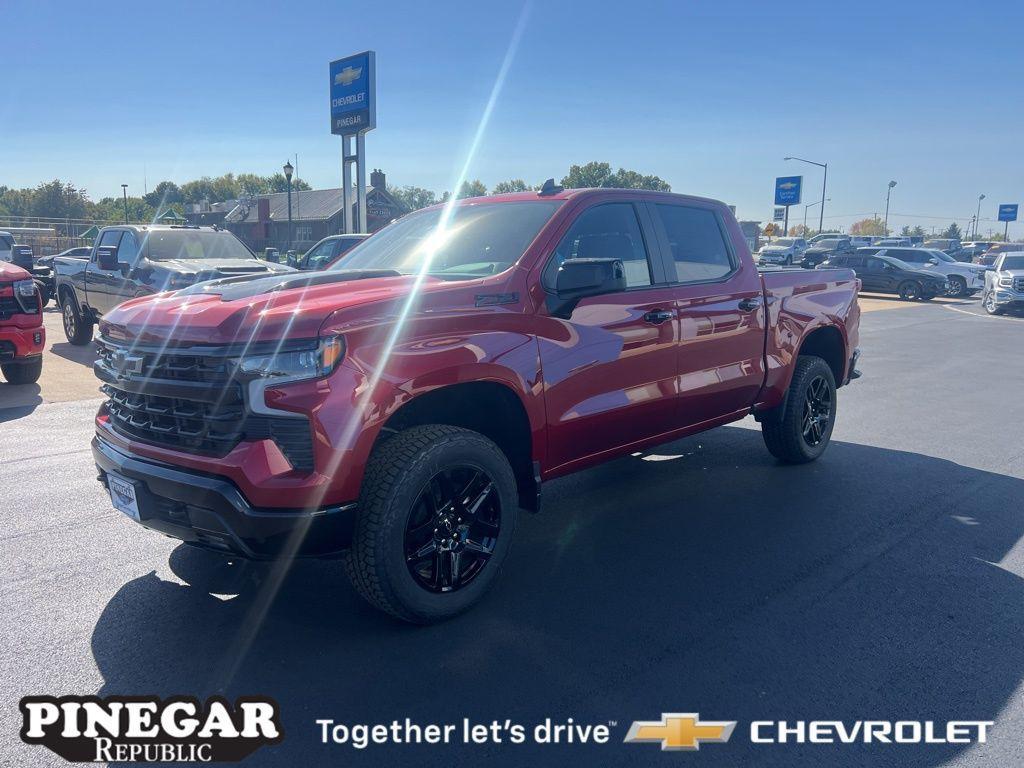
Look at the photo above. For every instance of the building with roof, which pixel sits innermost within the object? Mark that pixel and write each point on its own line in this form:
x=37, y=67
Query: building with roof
x=262, y=220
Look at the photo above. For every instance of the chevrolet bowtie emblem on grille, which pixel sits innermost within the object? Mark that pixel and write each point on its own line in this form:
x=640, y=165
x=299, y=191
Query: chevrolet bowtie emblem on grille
x=679, y=731
x=124, y=363
x=348, y=75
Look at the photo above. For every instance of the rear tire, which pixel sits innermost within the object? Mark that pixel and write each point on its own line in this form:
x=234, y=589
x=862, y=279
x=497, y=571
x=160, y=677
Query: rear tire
x=23, y=373
x=802, y=430
x=436, y=516
x=77, y=328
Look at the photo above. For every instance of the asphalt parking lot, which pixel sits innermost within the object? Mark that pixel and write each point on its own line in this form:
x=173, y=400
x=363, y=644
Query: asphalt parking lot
x=882, y=582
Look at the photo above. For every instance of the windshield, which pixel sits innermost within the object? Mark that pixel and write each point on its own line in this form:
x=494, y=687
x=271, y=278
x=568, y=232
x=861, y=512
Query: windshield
x=1013, y=262
x=827, y=243
x=478, y=239
x=184, y=244
x=783, y=242
x=941, y=256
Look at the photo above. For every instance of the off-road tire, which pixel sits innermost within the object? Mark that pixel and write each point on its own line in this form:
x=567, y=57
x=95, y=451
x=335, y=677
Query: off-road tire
x=395, y=476
x=23, y=373
x=77, y=328
x=783, y=431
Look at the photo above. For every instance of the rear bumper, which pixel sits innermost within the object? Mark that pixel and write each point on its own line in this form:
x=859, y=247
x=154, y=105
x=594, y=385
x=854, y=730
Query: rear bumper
x=210, y=512
x=17, y=343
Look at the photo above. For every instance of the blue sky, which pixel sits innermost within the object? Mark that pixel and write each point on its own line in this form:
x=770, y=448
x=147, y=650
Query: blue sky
x=709, y=96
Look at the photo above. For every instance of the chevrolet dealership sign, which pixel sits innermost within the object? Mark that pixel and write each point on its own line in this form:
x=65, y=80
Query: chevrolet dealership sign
x=353, y=94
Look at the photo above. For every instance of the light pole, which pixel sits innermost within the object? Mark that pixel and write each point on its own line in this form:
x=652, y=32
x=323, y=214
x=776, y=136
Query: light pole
x=811, y=205
x=824, y=180
x=288, y=169
x=977, y=216
x=888, y=193
x=124, y=192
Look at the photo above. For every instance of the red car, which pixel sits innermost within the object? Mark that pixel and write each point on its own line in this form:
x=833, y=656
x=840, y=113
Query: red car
x=22, y=335
x=401, y=409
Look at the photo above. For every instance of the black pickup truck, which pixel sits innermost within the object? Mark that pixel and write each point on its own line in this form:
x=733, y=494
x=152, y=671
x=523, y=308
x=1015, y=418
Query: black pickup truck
x=129, y=261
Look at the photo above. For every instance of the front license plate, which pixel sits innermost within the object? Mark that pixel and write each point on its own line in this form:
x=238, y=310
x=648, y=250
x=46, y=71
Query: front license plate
x=122, y=494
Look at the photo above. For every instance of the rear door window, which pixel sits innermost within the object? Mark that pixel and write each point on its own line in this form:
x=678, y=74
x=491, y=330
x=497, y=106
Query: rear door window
x=697, y=244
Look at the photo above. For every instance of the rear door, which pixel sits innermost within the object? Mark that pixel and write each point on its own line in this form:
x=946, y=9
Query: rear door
x=719, y=299
x=610, y=370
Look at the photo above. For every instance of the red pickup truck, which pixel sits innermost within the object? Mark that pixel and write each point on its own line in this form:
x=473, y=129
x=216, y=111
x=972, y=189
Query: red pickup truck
x=22, y=335
x=398, y=410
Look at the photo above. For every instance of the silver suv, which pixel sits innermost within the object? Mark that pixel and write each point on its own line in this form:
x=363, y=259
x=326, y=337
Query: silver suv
x=1004, y=285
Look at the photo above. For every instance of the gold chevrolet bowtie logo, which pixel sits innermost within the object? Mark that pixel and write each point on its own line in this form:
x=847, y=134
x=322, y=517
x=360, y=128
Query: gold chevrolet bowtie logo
x=348, y=75
x=680, y=731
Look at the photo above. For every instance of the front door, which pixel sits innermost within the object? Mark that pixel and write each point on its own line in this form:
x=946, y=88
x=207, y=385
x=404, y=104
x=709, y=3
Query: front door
x=610, y=370
x=721, y=313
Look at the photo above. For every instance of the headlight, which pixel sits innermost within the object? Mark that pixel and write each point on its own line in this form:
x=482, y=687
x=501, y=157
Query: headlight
x=25, y=288
x=1005, y=282
x=296, y=365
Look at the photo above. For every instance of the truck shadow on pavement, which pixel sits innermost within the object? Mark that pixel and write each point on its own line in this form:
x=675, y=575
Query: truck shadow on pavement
x=702, y=577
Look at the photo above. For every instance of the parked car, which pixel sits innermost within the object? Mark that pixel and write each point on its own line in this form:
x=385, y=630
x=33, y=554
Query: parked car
x=784, y=251
x=129, y=261
x=892, y=242
x=963, y=279
x=402, y=406
x=825, y=249
x=988, y=258
x=22, y=335
x=975, y=248
x=885, y=274
x=6, y=245
x=45, y=274
x=1004, y=285
x=951, y=246
x=328, y=251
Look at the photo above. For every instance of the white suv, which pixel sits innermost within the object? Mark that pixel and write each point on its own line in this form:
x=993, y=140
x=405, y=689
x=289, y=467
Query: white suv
x=6, y=246
x=785, y=251
x=964, y=279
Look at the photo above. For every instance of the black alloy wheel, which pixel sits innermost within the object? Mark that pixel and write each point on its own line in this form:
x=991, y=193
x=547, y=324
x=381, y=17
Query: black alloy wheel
x=453, y=529
x=817, y=411
x=910, y=291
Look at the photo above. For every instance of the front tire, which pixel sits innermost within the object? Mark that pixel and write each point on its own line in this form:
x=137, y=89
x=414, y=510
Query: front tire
x=23, y=373
x=437, y=512
x=77, y=328
x=957, y=287
x=990, y=306
x=802, y=430
x=909, y=291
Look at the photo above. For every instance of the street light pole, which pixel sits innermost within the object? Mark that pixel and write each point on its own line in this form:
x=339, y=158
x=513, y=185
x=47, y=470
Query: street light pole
x=288, y=169
x=887, y=194
x=124, y=192
x=811, y=205
x=977, y=216
x=824, y=182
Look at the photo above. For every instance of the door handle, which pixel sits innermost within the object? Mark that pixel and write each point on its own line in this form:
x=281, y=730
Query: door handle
x=748, y=305
x=658, y=316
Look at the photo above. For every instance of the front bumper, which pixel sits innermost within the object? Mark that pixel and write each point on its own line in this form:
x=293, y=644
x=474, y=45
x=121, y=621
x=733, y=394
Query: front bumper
x=1005, y=297
x=18, y=343
x=210, y=512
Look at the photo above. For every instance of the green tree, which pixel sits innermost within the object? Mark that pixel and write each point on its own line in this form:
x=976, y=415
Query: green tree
x=799, y=231
x=952, y=231
x=164, y=194
x=278, y=183
x=57, y=200
x=112, y=209
x=473, y=188
x=595, y=174
x=413, y=198
x=873, y=226
x=512, y=185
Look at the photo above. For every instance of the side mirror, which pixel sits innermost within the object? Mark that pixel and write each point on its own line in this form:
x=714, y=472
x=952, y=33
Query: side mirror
x=106, y=257
x=579, y=278
x=932, y=260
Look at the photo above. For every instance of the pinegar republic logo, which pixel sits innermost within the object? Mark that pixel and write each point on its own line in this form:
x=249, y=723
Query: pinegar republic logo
x=148, y=729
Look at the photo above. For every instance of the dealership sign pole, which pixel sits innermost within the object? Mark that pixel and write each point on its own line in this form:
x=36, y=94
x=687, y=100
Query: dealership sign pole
x=1007, y=213
x=787, y=193
x=353, y=113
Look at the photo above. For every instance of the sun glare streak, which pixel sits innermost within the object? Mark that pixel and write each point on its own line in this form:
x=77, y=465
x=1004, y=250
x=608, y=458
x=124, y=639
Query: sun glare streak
x=432, y=245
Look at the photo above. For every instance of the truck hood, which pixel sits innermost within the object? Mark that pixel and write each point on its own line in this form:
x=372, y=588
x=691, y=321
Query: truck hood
x=237, y=310
x=10, y=273
x=217, y=267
